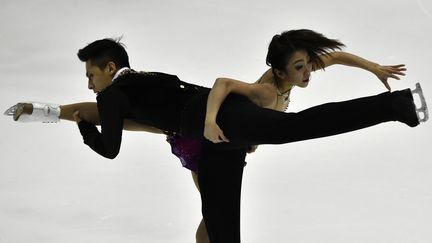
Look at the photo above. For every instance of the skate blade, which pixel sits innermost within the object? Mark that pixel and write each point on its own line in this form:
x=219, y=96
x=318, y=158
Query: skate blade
x=11, y=111
x=15, y=111
x=423, y=108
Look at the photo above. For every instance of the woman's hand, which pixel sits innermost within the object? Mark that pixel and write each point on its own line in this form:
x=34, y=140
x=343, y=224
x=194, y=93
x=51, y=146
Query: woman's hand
x=385, y=72
x=252, y=148
x=76, y=116
x=213, y=132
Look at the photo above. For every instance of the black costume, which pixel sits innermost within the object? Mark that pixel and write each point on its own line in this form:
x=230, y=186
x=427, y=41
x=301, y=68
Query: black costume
x=164, y=101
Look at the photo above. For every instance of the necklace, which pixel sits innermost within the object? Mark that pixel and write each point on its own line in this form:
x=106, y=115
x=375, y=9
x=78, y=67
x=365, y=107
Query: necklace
x=286, y=100
x=285, y=94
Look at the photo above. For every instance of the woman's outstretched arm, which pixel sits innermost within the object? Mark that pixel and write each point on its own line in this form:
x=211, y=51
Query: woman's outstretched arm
x=348, y=59
x=89, y=112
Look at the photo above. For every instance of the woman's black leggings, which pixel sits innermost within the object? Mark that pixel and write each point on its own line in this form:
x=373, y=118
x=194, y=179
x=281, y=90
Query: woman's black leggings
x=244, y=123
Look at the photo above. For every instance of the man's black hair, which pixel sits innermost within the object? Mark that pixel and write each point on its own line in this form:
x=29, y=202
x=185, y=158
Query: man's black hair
x=102, y=51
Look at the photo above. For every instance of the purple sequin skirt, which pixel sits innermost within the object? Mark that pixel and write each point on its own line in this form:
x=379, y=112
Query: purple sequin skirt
x=187, y=149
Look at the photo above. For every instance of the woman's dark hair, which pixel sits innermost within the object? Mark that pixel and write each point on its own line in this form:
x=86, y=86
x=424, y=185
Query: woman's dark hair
x=106, y=50
x=283, y=45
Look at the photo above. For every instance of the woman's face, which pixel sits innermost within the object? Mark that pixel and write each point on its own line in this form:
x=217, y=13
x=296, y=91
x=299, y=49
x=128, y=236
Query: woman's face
x=298, y=70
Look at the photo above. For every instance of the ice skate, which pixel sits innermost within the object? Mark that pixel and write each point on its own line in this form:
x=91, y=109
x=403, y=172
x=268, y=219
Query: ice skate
x=41, y=112
x=423, y=106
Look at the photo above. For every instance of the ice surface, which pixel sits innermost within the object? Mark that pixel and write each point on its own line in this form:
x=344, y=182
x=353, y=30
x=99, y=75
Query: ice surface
x=369, y=186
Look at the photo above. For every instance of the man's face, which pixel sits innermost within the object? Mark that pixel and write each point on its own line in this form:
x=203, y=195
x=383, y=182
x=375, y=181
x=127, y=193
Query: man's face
x=99, y=79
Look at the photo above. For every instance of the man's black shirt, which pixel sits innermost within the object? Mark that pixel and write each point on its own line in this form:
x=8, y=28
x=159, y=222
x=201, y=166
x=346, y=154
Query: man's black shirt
x=151, y=98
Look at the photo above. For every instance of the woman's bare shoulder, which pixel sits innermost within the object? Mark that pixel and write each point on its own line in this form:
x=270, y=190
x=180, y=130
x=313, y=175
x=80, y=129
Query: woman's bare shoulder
x=267, y=94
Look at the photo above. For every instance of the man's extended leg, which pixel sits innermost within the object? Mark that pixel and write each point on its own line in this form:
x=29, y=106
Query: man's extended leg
x=220, y=177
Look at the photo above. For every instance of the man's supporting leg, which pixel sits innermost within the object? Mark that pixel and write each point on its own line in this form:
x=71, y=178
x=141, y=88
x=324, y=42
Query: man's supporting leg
x=220, y=178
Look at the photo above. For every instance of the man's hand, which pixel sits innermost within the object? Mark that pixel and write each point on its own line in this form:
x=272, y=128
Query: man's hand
x=213, y=133
x=385, y=72
x=76, y=116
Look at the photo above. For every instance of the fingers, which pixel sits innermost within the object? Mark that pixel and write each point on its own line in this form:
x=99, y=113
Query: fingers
x=385, y=81
x=222, y=137
x=219, y=136
x=395, y=68
x=219, y=139
x=213, y=133
x=387, y=85
x=397, y=71
x=398, y=66
x=392, y=73
x=216, y=140
x=394, y=76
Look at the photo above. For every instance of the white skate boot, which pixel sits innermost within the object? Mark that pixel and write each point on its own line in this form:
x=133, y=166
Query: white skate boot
x=42, y=112
x=423, y=107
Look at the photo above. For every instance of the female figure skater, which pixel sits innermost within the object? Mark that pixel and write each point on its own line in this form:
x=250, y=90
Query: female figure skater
x=273, y=89
x=405, y=113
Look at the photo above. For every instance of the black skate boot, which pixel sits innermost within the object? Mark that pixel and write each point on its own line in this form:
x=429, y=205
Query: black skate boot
x=405, y=109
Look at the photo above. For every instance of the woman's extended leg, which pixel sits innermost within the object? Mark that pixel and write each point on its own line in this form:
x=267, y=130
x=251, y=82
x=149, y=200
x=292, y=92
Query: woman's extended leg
x=201, y=235
x=245, y=123
x=88, y=111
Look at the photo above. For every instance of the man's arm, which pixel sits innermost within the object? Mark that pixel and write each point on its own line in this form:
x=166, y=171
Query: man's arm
x=111, y=106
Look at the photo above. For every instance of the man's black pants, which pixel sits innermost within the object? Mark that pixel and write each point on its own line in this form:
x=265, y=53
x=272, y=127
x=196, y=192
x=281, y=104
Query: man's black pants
x=220, y=177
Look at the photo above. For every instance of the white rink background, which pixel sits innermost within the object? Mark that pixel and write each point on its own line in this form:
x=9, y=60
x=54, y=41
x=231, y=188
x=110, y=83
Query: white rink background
x=372, y=185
